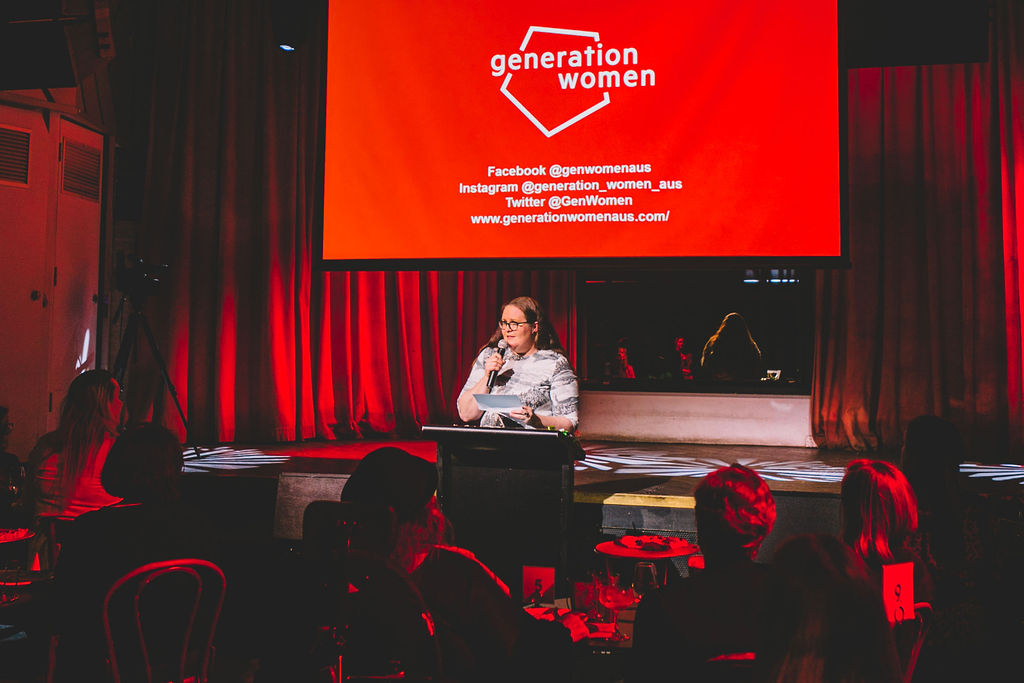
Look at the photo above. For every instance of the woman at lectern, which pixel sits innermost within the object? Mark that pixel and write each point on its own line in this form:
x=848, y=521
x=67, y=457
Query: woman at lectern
x=523, y=358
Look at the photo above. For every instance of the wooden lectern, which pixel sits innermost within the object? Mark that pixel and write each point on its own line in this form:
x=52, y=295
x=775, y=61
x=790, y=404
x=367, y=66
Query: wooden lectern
x=508, y=494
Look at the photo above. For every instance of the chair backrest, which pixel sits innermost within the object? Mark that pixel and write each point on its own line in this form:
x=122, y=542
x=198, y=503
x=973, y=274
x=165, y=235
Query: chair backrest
x=331, y=526
x=732, y=667
x=330, y=529
x=387, y=630
x=159, y=621
x=909, y=636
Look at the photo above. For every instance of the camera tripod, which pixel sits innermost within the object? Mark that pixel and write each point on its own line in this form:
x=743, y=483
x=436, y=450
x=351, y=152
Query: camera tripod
x=129, y=343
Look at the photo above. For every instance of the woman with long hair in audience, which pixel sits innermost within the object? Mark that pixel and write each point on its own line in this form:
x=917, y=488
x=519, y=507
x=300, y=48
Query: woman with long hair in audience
x=878, y=518
x=144, y=467
x=824, y=620
x=66, y=464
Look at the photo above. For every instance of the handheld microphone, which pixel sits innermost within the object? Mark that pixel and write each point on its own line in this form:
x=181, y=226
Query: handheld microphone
x=493, y=376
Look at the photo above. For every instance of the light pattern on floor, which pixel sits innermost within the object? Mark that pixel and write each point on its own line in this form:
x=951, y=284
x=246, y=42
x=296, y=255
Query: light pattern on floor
x=228, y=458
x=1003, y=472
x=623, y=461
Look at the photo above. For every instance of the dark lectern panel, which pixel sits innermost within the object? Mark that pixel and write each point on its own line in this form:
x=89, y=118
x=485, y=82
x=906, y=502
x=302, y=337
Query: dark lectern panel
x=508, y=494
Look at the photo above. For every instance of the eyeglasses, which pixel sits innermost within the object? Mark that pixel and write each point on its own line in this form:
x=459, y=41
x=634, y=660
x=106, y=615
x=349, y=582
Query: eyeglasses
x=511, y=325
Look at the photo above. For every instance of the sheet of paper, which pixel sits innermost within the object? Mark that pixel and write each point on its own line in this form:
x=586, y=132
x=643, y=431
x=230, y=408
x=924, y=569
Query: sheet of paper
x=499, y=403
x=898, y=591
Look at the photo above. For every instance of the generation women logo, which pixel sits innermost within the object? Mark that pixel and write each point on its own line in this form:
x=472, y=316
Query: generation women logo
x=566, y=75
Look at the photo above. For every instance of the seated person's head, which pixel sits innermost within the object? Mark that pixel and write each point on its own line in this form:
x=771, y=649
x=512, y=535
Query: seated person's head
x=392, y=477
x=735, y=511
x=144, y=466
x=824, y=619
x=932, y=453
x=878, y=510
x=91, y=406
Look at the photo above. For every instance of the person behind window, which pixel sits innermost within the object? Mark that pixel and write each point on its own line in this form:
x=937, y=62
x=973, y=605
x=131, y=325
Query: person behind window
x=679, y=627
x=685, y=365
x=66, y=464
x=621, y=367
x=731, y=354
x=823, y=618
x=534, y=367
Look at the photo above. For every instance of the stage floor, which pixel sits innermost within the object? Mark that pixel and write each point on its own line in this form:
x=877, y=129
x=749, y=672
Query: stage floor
x=649, y=474
x=619, y=487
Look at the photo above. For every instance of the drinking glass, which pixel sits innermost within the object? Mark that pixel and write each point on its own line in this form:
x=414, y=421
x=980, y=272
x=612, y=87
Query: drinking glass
x=615, y=598
x=645, y=578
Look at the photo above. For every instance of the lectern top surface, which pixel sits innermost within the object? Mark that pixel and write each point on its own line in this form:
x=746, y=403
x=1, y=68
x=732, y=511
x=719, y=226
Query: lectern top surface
x=431, y=430
x=522, y=442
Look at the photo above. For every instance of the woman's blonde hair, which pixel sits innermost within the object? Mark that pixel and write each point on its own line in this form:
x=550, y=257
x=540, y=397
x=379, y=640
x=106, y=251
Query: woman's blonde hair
x=85, y=421
x=879, y=510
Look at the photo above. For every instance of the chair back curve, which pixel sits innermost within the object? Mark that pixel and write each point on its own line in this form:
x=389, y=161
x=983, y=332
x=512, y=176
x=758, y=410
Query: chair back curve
x=159, y=621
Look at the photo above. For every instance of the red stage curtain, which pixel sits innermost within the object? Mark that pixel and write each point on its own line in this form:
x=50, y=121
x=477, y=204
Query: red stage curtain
x=922, y=323
x=243, y=321
x=403, y=342
x=233, y=125
x=1010, y=100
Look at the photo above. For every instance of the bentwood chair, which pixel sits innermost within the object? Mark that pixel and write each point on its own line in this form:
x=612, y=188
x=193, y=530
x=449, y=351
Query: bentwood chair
x=159, y=621
x=330, y=529
x=731, y=667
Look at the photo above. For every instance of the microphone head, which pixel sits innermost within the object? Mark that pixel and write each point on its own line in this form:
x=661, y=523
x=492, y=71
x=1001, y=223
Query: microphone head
x=502, y=344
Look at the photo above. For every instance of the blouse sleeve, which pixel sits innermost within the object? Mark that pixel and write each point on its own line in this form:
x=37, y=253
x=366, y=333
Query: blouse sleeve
x=477, y=371
x=565, y=393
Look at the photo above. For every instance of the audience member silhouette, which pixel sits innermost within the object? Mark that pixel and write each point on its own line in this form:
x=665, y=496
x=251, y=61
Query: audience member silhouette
x=621, y=368
x=731, y=354
x=685, y=364
x=12, y=479
x=681, y=626
x=949, y=536
x=484, y=634
x=151, y=524
x=65, y=465
x=878, y=517
x=955, y=529
x=823, y=618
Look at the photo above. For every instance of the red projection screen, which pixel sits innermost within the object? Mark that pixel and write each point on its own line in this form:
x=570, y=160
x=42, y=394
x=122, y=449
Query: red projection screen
x=581, y=133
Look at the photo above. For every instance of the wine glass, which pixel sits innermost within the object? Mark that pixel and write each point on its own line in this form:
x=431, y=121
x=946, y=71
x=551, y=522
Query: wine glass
x=615, y=598
x=645, y=578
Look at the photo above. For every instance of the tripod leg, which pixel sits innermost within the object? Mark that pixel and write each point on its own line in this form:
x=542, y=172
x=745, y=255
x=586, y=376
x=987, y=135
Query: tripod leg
x=124, y=352
x=163, y=371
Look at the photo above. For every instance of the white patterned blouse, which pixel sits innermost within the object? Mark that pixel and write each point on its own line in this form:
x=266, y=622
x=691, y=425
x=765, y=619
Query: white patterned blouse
x=543, y=380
